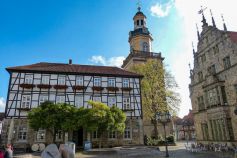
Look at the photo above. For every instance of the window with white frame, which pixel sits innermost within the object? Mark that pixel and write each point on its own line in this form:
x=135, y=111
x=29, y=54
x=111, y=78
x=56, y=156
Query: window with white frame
x=111, y=101
x=26, y=99
x=78, y=101
x=28, y=79
x=125, y=82
x=111, y=82
x=97, y=99
x=40, y=135
x=45, y=79
x=127, y=133
x=22, y=133
x=59, y=135
x=112, y=134
x=60, y=99
x=43, y=98
x=79, y=80
x=126, y=103
x=61, y=80
x=97, y=81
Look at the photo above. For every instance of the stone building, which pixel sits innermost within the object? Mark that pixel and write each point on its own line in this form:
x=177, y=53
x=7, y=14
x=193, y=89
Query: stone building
x=140, y=41
x=213, y=87
x=184, y=128
x=31, y=85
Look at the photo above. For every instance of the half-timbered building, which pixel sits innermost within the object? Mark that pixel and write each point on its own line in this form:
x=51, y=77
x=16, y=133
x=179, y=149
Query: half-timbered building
x=31, y=85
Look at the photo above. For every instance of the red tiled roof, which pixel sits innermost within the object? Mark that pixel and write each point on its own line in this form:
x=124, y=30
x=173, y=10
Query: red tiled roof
x=73, y=69
x=233, y=36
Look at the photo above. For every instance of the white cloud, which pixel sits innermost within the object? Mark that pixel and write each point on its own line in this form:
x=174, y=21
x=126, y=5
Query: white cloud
x=161, y=10
x=2, y=104
x=182, y=56
x=113, y=61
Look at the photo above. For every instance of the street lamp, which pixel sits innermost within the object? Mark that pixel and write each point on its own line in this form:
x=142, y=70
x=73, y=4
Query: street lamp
x=164, y=118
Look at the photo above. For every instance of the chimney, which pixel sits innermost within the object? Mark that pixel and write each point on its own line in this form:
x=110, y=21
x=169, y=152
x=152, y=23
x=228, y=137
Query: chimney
x=70, y=62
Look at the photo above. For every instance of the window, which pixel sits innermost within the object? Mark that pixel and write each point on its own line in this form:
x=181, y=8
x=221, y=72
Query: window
x=61, y=80
x=95, y=134
x=200, y=76
x=79, y=80
x=213, y=97
x=223, y=95
x=137, y=22
x=22, y=132
x=97, y=82
x=78, y=101
x=111, y=82
x=201, y=104
x=226, y=62
x=59, y=135
x=43, y=98
x=235, y=86
x=26, y=99
x=127, y=133
x=40, y=135
x=203, y=58
x=28, y=79
x=204, y=128
x=126, y=82
x=97, y=99
x=112, y=134
x=215, y=49
x=212, y=69
x=142, y=22
x=111, y=101
x=145, y=47
x=126, y=103
x=45, y=80
x=60, y=99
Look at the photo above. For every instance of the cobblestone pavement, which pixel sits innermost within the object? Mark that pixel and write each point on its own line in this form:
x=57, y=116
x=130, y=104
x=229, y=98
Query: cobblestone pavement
x=142, y=152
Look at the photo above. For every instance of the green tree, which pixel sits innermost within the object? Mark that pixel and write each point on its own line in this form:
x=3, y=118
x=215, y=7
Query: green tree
x=53, y=118
x=158, y=90
x=103, y=119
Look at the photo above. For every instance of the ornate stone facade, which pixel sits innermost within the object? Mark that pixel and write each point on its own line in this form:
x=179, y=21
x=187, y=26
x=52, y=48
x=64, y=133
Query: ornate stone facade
x=213, y=87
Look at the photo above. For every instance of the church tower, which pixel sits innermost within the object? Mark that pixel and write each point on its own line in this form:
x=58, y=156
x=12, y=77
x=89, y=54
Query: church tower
x=140, y=41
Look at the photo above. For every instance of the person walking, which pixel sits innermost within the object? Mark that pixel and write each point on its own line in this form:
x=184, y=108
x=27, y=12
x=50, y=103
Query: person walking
x=8, y=151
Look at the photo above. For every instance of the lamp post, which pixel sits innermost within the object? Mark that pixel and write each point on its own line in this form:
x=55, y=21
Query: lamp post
x=164, y=118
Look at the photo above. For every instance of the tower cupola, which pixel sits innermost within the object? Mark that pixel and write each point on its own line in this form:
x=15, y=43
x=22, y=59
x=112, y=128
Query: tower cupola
x=139, y=19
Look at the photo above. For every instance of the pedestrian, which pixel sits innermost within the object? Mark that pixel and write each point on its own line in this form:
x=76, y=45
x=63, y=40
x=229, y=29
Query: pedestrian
x=8, y=152
x=1, y=152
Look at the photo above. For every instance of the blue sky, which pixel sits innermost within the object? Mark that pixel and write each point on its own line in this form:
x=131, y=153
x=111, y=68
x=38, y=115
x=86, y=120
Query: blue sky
x=92, y=32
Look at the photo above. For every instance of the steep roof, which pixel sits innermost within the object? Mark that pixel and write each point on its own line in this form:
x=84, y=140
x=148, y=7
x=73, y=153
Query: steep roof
x=73, y=69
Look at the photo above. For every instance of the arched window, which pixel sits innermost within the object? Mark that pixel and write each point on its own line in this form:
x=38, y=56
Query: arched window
x=145, y=47
x=137, y=22
x=142, y=22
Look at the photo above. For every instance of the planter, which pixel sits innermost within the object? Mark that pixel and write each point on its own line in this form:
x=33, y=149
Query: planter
x=112, y=88
x=78, y=87
x=127, y=110
x=60, y=86
x=126, y=88
x=44, y=86
x=23, y=109
x=27, y=86
x=97, y=88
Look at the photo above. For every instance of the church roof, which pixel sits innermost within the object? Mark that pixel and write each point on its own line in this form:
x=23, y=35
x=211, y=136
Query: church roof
x=73, y=69
x=139, y=13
